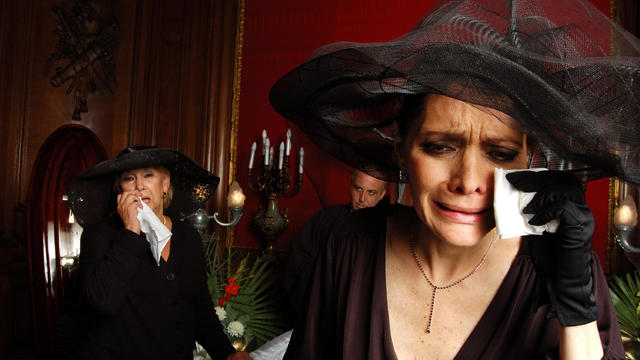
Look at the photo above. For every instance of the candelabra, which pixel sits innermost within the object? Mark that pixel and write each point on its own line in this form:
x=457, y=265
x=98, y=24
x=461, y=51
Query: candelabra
x=274, y=183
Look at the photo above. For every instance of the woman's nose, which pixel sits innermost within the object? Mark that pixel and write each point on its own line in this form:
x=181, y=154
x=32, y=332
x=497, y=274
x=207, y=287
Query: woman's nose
x=139, y=185
x=469, y=176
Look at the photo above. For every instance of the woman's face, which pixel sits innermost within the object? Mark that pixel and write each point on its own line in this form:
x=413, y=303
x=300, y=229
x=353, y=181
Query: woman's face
x=450, y=153
x=149, y=184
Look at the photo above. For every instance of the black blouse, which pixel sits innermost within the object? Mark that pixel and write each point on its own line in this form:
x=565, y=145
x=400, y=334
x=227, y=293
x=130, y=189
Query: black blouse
x=347, y=315
x=141, y=310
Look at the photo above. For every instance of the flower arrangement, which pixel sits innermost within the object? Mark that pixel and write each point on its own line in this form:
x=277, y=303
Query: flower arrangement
x=246, y=294
x=625, y=293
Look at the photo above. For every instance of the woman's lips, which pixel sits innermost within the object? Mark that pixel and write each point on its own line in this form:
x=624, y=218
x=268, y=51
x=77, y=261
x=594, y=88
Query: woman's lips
x=463, y=215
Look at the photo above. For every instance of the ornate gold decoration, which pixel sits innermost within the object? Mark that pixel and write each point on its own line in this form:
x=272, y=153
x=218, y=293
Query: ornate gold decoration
x=612, y=247
x=201, y=192
x=616, y=263
x=86, y=44
x=235, y=108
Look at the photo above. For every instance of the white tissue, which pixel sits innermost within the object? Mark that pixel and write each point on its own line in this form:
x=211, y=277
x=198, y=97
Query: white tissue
x=273, y=349
x=508, y=203
x=156, y=233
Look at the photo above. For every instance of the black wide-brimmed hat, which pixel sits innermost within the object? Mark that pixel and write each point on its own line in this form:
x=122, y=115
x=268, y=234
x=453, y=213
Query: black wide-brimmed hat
x=92, y=196
x=562, y=68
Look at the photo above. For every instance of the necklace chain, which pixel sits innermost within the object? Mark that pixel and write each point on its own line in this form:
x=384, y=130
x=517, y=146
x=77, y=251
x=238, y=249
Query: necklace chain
x=436, y=287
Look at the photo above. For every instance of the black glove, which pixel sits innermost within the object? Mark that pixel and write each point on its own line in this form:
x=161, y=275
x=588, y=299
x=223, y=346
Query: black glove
x=564, y=257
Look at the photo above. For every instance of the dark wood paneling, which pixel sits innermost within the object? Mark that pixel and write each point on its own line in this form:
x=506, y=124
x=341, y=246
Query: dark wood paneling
x=174, y=69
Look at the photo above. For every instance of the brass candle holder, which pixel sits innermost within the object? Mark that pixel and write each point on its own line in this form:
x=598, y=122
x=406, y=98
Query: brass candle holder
x=274, y=182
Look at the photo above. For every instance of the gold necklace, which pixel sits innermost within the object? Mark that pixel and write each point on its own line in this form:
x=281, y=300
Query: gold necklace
x=436, y=287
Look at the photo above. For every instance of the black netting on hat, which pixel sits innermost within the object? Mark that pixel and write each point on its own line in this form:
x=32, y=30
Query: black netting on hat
x=566, y=72
x=92, y=196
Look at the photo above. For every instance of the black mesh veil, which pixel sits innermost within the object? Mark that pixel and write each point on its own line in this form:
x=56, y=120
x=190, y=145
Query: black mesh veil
x=92, y=195
x=562, y=68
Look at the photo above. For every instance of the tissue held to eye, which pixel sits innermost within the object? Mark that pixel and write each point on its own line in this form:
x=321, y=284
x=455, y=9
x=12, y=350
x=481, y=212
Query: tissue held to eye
x=508, y=205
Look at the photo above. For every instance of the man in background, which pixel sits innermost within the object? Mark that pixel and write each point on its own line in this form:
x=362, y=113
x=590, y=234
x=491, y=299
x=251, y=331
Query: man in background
x=366, y=191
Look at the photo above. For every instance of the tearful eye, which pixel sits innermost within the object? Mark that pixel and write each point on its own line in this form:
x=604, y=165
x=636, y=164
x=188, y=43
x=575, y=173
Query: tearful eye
x=503, y=155
x=436, y=148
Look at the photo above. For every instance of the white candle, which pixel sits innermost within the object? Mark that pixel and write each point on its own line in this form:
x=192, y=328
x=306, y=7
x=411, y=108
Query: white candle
x=266, y=151
x=288, y=141
x=253, y=154
x=264, y=141
x=271, y=157
x=301, y=159
x=280, y=155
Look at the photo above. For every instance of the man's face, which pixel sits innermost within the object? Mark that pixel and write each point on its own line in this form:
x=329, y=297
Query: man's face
x=366, y=191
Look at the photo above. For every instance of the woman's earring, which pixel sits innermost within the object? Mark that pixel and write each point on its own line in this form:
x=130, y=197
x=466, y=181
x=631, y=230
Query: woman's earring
x=402, y=175
x=164, y=195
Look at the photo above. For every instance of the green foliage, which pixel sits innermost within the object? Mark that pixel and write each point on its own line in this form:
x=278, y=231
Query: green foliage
x=257, y=304
x=624, y=293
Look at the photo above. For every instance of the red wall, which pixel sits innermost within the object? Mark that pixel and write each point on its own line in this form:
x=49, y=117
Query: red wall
x=281, y=34
x=278, y=36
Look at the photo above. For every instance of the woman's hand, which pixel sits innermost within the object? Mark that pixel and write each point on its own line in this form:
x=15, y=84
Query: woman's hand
x=564, y=257
x=240, y=355
x=128, y=205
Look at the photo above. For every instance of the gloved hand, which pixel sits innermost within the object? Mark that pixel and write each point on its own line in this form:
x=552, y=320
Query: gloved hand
x=564, y=257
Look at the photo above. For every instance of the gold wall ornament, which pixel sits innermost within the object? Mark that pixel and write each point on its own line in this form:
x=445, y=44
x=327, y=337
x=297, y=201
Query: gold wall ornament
x=201, y=192
x=235, y=107
x=626, y=14
x=86, y=46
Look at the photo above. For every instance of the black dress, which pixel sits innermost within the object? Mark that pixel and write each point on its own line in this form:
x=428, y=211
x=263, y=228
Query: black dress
x=347, y=316
x=141, y=310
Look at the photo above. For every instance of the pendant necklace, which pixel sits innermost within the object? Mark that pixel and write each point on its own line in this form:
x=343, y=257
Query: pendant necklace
x=436, y=287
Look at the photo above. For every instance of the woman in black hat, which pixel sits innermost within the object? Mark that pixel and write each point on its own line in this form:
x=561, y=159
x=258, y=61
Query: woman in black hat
x=142, y=270
x=476, y=85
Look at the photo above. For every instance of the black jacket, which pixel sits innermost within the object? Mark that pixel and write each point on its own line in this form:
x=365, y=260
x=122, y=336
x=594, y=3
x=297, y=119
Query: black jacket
x=141, y=310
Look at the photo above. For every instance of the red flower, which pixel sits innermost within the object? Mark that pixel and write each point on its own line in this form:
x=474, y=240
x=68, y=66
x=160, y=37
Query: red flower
x=229, y=290
x=232, y=288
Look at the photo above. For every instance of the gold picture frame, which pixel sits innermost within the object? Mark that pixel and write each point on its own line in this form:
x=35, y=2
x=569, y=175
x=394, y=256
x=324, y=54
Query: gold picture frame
x=626, y=14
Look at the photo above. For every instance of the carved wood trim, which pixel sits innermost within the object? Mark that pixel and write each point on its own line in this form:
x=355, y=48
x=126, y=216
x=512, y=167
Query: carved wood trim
x=625, y=14
x=221, y=137
x=235, y=110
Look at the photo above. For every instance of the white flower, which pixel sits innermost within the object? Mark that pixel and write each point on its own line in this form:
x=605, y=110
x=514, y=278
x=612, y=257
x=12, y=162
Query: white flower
x=222, y=314
x=235, y=328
